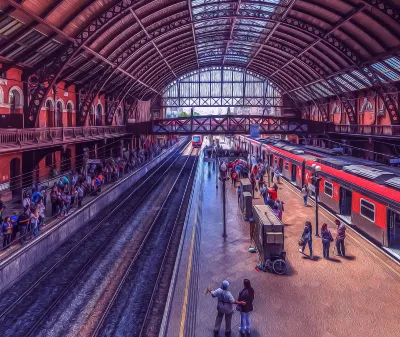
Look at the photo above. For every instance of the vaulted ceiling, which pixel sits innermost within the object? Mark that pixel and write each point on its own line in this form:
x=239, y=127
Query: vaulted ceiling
x=139, y=46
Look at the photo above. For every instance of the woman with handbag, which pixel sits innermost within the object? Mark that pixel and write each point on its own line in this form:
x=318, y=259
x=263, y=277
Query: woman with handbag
x=327, y=238
x=246, y=295
x=306, y=238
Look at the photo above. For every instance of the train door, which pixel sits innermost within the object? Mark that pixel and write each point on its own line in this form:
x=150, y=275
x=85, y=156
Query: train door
x=294, y=170
x=394, y=229
x=281, y=165
x=345, y=201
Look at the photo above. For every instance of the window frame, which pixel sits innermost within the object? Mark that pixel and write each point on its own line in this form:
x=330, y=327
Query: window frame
x=286, y=164
x=325, y=183
x=374, y=209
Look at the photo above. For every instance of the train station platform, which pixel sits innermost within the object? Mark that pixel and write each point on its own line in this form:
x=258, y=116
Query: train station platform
x=356, y=295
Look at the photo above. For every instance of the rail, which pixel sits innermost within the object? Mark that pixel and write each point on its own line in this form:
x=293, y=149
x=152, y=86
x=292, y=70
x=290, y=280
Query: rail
x=22, y=137
x=373, y=130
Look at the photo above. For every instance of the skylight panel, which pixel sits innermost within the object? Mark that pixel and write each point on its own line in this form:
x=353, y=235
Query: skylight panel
x=344, y=83
x=389, y=73
x=362, y=77
x=353, y=81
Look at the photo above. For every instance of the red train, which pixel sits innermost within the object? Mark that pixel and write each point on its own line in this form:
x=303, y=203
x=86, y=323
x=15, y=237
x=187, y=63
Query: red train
x=197, y=141
x=364, y=193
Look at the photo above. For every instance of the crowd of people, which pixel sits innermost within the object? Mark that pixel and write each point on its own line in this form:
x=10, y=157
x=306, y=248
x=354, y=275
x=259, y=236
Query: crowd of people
x=67, y=193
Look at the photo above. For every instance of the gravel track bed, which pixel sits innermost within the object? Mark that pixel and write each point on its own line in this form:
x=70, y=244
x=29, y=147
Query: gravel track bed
x=26, y=313
x=129, y=309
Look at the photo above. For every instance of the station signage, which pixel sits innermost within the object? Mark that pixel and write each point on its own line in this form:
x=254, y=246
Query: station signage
x=395, y=161
x=255, y=131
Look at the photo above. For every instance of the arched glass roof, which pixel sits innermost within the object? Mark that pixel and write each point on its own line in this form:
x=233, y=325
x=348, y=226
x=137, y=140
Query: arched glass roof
x=308, y=48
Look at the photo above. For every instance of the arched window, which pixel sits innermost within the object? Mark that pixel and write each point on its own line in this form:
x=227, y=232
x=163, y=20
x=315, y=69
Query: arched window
x=69, y=114
x=15, y=99
x=49, y=112
x=99, y=112
x=1, y=95
x=59, y=113
x=119, y=117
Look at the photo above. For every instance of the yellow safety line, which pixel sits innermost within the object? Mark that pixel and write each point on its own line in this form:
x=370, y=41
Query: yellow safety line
x=349, y=235
x=188, y=276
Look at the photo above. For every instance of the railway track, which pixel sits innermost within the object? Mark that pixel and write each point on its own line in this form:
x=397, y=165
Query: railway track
x=24, y=309
x=137, y=306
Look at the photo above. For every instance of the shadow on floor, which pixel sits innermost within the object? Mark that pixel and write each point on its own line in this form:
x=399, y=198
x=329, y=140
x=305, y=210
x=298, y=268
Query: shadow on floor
x=333, y=259
x=349, y=257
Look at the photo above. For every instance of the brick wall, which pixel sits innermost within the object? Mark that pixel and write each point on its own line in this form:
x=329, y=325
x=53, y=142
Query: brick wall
x=12, y=82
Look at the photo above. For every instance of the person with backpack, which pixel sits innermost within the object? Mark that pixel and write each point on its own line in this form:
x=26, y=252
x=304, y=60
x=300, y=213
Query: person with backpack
x=224, y=307
x=6, y=231
x=277, y=212
x=247, y=296
x=14, y=223
x=306, y=238
x=327, y=238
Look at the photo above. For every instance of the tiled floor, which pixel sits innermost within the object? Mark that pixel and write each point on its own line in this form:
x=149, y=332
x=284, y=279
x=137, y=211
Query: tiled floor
x=354, y=296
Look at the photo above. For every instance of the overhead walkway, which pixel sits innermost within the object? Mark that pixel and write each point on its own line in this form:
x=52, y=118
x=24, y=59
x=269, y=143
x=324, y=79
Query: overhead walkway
x=218, y=124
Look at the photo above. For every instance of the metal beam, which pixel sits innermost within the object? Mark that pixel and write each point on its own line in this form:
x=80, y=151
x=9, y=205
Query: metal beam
x=151, y=40
x=288, y=8
x=193, y=30
x=231, y=31
x=73, y=40
x=343, y=20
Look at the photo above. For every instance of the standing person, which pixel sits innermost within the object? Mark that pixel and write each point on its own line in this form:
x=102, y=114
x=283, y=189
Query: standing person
x=307, y=238
x=261, y=181
x=279, y=204
x=34, y=221
x=272, y=174
x=247, y=296
x=54, y=201
x=41, y=209
x=277, y=212
x=26, y=203
x=14, y=223
x=80, y=195
x=23, y=222
x=253, y=182
x=278, y=176
x=224, y=307
x=304, y=192
x=2, y=207
x=239, y=193
x=7, y=231
x=327, y=238
x=340, y=236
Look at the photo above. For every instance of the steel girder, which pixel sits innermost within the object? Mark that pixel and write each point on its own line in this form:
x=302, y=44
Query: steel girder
x=235, y=125
x=387, y=93
x=49, y=74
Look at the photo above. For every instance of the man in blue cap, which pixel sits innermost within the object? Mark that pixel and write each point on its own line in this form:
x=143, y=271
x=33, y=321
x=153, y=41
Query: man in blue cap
x=224, y=307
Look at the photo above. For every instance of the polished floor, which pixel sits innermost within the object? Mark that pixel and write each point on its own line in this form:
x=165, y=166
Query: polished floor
x=353, y=296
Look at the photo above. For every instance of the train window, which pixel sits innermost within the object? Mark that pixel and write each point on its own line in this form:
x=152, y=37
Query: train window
x=328, y=189
x=276, y=159
x=196, y=139
x=286, y=166
x=367, y=210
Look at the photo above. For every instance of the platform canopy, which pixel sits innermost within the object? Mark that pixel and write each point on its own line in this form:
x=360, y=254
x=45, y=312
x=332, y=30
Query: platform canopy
x=306, y=48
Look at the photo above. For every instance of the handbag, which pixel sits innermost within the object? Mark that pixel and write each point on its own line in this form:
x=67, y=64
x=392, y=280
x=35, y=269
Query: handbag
x=239, y=307
x=301, y=242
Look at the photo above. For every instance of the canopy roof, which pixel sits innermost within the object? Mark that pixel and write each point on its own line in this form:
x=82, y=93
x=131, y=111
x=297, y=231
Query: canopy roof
x=140, y=46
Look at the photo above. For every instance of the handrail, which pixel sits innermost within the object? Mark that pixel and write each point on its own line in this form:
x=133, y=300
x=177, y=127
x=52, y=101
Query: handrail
x=39, y=135
x=376, y=130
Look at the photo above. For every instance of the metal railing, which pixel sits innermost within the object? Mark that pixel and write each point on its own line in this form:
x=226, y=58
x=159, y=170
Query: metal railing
x=375, y=130
x=21, y=137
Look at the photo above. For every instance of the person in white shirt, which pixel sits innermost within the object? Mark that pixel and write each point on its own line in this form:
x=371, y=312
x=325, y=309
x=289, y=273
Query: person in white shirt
x=304, y=192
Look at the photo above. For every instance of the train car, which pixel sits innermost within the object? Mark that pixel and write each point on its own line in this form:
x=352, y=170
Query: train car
x=197, y=141
x=365, y=194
